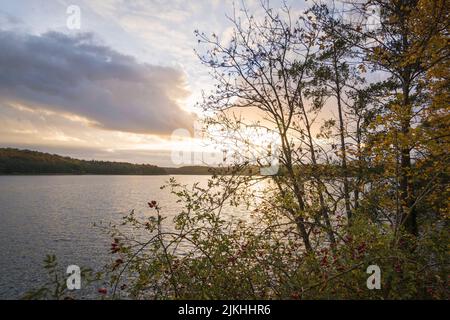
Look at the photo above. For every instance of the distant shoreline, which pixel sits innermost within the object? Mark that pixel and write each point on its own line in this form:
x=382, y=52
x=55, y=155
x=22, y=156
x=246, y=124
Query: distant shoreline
x=17, y=162
x=28, y=162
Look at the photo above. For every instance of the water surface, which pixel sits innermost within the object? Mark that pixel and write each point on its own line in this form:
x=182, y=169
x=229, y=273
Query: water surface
x=42, y=215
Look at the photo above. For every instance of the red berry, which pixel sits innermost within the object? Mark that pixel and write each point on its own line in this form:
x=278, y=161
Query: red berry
x=114, y=248
x=295, y=296
x=102, y=291
x=361, y=248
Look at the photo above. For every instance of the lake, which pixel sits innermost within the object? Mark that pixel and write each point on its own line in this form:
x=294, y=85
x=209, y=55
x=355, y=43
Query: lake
x=42, y=215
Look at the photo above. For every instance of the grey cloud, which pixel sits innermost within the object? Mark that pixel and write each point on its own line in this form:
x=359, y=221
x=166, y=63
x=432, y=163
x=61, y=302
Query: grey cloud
x=76, y=75
x=7, y=21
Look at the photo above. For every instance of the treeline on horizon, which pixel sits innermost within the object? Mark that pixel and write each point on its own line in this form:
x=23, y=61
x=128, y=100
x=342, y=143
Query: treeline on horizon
x=16, y=161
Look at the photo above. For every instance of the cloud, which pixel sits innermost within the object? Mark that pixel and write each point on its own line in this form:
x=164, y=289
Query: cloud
x=75, y=75
x=8, y=21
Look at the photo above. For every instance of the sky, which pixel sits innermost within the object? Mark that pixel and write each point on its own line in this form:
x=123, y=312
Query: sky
x=114, y=84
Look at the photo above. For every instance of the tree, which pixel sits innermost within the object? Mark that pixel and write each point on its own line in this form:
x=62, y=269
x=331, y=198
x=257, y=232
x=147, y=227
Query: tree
x=268, y=66
x=406, y=43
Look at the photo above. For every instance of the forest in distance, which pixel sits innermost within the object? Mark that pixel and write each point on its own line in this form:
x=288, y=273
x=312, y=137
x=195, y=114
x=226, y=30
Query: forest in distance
x=27, y=162
x=357, y=95
x=16, y=161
